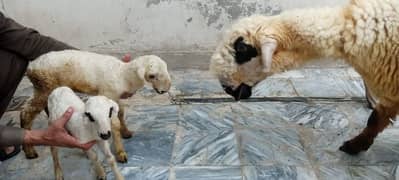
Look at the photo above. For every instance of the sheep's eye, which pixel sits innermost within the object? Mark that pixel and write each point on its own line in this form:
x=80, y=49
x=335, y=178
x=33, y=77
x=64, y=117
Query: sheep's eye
x=151, y=76
x=89, y=116
x=110, y=112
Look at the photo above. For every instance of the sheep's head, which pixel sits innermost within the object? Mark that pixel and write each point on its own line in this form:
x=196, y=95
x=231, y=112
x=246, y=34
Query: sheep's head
x=99, y=112
x=244, y=57
x=154, y=70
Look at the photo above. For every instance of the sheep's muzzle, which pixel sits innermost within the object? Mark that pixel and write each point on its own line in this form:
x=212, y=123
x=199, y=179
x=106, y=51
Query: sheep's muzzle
x=105, y=136
x=241, y=92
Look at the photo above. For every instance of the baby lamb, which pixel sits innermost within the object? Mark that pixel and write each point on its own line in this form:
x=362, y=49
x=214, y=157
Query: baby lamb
x=364, y=33
x=90, y=121
x=93, y=74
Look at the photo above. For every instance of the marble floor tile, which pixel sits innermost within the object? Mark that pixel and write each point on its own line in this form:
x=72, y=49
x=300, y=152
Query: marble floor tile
x=386, y=172
x=17, y=103
x=208, y=173
x=274, y=87
x=206, y=117
x=206, y=148
x=270, y=146
x=317, y=116
x=143, y=173
x=320, y=87
x=144, y=118
x=278, y=172
x=334, y=172
x=260, y=115
x=149, y=148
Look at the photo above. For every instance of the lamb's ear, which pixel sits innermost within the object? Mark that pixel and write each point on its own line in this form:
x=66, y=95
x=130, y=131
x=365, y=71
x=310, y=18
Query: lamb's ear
x=114, y=107
x=268, y=48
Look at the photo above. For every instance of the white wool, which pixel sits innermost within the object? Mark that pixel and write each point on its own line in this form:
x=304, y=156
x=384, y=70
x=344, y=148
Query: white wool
x=79, y=125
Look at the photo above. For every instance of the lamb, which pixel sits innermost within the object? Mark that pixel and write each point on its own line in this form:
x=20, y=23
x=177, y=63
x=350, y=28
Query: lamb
x=93, y=74
x=90, y=121
x=365, y=33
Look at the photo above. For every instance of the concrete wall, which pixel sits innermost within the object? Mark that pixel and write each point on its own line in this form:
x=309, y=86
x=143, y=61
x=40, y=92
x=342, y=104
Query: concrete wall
x=142, y=25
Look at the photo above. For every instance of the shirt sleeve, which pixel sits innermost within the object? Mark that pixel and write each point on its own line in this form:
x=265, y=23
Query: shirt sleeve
x=10, y=136
x=26, y=42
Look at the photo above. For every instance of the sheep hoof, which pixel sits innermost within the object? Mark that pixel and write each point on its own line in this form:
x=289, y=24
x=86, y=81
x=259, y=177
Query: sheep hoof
x=126, y=134
x=122, y=157
x=355, y=146
x=30, y=152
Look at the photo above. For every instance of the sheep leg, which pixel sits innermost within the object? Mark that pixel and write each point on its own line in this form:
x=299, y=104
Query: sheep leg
x=56, y=162
x=126, y=134
x=121, y=155
x=377, y=122
x=104, y=146
x=371, y=103
x=28, y=114
x=100, y=172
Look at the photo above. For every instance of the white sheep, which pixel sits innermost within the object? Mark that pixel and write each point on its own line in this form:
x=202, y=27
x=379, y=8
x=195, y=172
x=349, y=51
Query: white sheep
x=365, y=33
x=90, y=121
x=93, y=74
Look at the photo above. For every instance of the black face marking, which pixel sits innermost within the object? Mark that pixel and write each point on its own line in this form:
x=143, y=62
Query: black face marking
x=89, y=116
x=110, y=112
x=242, y=92
x=244, y=52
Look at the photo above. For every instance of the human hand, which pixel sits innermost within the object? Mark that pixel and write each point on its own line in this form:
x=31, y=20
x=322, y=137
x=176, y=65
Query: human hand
x=56, y=135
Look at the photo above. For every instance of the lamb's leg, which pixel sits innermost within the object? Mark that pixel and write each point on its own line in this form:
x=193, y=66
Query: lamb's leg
x=56, y=162
x=28, y=114
x=123, y=128
x=377, y=122
x=104, y=146
x=100, y=172
x=121, y=155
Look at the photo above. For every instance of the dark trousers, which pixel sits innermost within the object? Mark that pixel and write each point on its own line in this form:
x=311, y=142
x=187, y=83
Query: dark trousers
x=18, y=46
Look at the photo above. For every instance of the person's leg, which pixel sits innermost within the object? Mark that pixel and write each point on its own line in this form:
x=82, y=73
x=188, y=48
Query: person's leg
x=12, y=69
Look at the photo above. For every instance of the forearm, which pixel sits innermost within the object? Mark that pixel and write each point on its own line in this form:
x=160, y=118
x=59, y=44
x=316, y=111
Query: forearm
x=35, y=137
x=10, y=136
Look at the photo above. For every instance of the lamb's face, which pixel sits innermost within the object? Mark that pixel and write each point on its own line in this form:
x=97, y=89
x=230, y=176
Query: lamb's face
x=157, y=74
x=237, y=63
x=99, y=112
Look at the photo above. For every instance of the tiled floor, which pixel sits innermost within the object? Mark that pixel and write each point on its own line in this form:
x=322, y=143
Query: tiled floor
x=227, y=140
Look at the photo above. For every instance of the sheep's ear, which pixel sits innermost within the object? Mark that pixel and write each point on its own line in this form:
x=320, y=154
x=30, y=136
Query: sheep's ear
x=114, y=107
x=268, y=48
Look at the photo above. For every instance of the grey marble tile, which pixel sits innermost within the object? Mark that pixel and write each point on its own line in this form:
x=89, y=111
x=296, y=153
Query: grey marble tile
x=274, y=87
x=318, y=116
x=143, y=173
x=208, y=173
x=260, y=115
x=194, y=82
x=334, y=172
x=318, y=87
x=206, y=117
x=278, y=172
x=358, y=113
x=373, y=172
x=323, y=145
x=270, y=146
x=19, y=168
x=149, y=148
x=16, y=103
x=206, y=148
x=142, y=118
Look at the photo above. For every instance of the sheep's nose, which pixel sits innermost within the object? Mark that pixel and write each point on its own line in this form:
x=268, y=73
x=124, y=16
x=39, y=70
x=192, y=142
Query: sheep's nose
x=105, y=136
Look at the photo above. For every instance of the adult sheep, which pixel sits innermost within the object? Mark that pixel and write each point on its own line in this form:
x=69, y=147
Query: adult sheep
x=93, y=74
x=365, y=33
